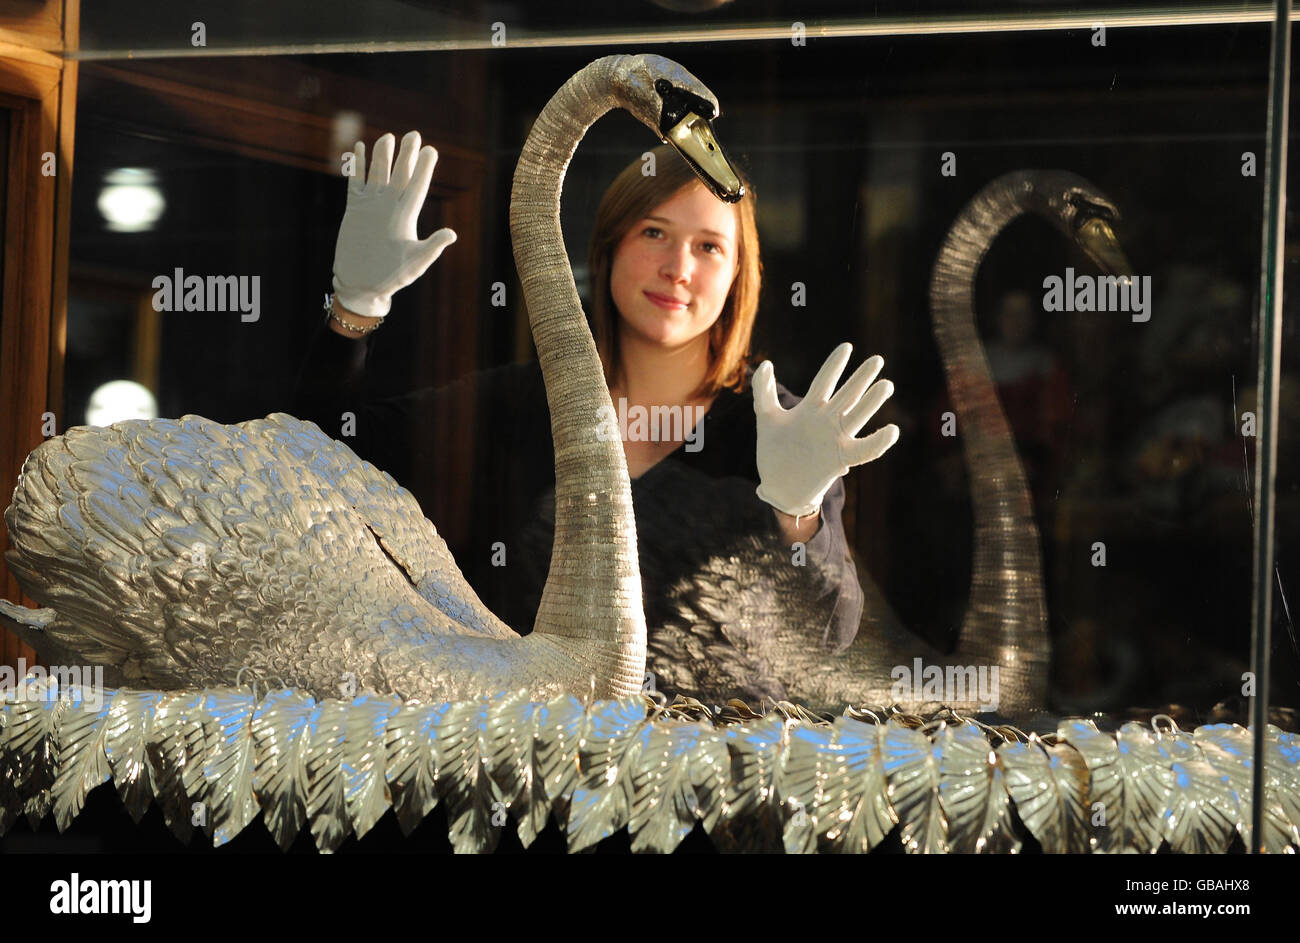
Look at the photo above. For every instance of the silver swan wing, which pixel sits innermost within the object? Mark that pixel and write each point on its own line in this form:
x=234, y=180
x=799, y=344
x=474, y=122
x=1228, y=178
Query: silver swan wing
x=182, y=551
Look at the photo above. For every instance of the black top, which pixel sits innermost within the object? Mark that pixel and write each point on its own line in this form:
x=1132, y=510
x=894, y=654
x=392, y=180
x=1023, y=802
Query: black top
x=714, y=568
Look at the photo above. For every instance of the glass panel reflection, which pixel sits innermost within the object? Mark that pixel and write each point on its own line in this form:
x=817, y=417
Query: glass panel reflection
x=1127, y=407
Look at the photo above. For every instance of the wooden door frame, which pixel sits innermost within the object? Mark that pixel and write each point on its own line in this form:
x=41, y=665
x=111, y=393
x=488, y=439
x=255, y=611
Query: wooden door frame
x=39, y=89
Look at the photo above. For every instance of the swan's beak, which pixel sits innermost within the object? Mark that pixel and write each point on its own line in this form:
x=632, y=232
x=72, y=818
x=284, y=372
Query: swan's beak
x=694, y=140
x=1098, y=240
x=684, y=123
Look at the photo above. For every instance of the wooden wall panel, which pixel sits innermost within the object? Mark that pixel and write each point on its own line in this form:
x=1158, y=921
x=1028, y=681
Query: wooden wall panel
x=38, y=88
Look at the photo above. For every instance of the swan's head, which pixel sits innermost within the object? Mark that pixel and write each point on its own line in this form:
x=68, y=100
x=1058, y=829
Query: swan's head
x=677, y=107
x=1084, y=214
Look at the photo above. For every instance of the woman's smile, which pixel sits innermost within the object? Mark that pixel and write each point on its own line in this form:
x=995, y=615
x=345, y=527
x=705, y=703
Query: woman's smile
x=667, y=302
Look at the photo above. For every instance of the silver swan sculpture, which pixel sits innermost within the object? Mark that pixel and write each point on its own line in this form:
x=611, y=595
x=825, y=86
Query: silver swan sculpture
x=596, y=767
x=182, y=552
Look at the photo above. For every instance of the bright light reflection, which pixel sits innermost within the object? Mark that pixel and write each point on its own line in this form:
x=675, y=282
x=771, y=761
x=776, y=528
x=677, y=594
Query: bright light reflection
x=130, y=200
x=118, y=400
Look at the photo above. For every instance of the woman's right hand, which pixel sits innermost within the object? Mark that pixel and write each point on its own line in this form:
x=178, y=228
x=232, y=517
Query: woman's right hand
x=377, y=252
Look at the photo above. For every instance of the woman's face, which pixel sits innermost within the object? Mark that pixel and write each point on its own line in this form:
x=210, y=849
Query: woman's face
x=673, y=270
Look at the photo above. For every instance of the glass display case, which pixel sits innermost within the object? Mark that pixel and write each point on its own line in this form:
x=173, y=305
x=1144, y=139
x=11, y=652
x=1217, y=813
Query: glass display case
x=1046, y=218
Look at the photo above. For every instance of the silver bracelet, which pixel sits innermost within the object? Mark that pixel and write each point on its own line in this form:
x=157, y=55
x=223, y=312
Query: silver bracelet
x=333, y=316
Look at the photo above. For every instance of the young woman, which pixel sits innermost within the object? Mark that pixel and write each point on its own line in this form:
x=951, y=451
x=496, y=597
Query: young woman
x=675, y=284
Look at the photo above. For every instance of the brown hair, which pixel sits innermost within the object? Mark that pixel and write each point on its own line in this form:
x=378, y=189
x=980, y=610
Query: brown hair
x=631, y=196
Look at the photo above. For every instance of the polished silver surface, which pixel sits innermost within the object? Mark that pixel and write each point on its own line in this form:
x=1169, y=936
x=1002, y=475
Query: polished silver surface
x=214, y=759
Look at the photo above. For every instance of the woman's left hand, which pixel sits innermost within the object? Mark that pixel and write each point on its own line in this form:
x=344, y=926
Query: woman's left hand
x=801, y=451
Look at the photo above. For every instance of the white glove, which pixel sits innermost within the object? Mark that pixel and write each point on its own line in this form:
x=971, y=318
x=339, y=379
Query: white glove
x=803, y=450
x=377, y=252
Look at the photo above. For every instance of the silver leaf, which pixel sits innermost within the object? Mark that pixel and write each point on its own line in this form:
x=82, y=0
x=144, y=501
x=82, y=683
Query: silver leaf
x=281, y=730
x=326, y=783
x=855, y=804
x=412, y=767
x=470, y=795
x=366, y=795
x=972, y=792
x=83, y=765
x=602, y=798
x=513, y=736
x=911, y=765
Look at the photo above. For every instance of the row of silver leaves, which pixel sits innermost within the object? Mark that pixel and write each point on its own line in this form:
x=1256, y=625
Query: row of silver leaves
x=219, y=757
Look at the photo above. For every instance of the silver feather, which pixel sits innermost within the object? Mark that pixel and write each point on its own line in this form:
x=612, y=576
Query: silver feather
x=326, y=781
x=801, y=786
x=30, y=752
x=561, y=725
x=43, y=771
x=752, y=818
x=512, y=733
x=366, y=793
x=1109, y=814
x=1203, y=809
x=130, y=721
x=173, y=744
x=229, y=764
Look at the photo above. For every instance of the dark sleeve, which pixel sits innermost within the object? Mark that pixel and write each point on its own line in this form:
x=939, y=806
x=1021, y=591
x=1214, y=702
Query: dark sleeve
x=407, y=435
x=330, y=379
x=829, y=563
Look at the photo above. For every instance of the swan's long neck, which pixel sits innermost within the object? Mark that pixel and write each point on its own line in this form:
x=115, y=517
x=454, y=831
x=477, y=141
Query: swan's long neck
x=1006, y=616
x=591, y=605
